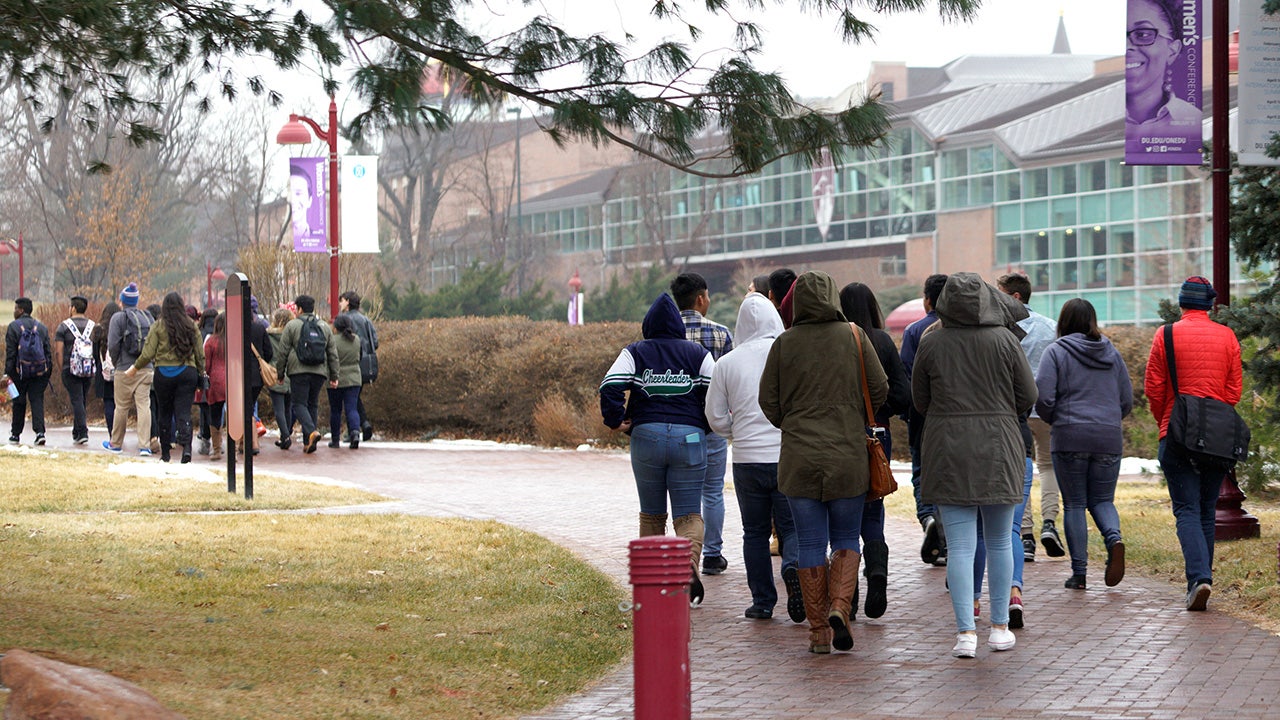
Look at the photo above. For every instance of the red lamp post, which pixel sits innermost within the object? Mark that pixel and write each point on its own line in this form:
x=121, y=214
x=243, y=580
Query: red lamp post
x=211, y=274
x=10, y=245
x=295, y=132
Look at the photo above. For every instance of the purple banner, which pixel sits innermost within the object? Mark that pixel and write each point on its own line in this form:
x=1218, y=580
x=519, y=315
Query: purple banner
x=307, y=204
x=1163, y=120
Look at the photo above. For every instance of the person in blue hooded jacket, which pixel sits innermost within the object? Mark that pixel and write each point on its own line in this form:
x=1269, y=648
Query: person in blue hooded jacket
x=667, y=377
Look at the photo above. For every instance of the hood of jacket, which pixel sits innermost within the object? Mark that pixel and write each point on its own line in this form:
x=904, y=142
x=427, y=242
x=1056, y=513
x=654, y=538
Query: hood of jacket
x=816, y=299
x=757, y=318
x=663, y=320
x=1096, y=354
x=969, y=301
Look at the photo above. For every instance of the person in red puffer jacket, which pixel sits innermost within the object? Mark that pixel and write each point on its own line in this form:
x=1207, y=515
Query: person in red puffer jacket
x=1208, y=363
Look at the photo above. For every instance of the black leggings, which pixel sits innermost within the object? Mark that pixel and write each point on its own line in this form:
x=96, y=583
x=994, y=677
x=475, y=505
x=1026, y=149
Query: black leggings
x=174, y=396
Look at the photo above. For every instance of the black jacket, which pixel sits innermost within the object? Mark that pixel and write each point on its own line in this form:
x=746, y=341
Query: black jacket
x=11, y=337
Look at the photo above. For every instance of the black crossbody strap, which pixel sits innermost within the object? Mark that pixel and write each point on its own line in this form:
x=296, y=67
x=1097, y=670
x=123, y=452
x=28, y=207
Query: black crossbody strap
x=1168, y=356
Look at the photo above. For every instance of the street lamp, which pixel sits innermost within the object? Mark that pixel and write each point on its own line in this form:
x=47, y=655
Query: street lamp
x=8, y=245
x=211, y=274
x=295, y=132
x=519, y=205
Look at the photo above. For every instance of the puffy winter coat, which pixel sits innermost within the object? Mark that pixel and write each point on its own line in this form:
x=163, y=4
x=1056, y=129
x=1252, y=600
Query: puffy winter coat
x=1208, y=357
x=971, y=380
x=812, y=389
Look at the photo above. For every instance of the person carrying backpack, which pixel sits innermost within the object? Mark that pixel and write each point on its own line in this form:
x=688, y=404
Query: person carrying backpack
x=27, y=363
x=74, y=341
x=125, y=338
x=308, y=357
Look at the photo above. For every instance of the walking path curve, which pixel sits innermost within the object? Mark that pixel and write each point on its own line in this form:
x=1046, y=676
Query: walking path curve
x=1124, y=652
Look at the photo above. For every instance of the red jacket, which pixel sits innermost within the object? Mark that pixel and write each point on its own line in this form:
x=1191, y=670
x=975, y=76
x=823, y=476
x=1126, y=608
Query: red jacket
x=215, y=360
x=1208, y=361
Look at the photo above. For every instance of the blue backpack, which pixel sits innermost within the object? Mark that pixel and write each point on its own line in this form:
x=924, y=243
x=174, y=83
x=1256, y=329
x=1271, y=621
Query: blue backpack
x=32, y=361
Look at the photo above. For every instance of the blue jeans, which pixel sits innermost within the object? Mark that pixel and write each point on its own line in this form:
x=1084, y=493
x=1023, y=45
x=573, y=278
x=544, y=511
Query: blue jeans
x=1194, y=495
x=669, y=460
x=818, y=524
x=763, y=506
x=713, y=496
x=961, y=522
x=923, y=509
x=1087, y=481
x=342, y=403
x=1019, y=558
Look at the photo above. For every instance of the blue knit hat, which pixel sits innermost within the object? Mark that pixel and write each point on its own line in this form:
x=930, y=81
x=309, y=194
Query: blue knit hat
x=1197, y=294
x=129, y=296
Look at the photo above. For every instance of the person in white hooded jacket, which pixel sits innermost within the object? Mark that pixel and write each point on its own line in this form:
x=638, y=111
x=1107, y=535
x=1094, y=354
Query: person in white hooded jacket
x=733, y=411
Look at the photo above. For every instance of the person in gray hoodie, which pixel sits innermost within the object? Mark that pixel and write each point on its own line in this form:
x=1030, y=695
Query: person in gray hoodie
x=733, y=411
x=1085, y=391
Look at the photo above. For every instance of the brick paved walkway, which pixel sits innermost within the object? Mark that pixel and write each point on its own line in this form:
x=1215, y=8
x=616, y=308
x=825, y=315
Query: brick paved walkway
x=1125, y=652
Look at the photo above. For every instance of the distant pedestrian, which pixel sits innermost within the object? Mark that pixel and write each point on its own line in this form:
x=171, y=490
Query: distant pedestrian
x=73, y=340
x=174, y=346
x=656, y=391
x=104, y=377
x=860, y=307
x=1208, y=365
x=205, y=321
x=215, y=394
x=690, y=292
x=972, y=382
x=28, y=361
x=1085, y=392
x=279, y=393
x=125, y=338
x=733, y=411
x=345, y=394
x=349, y=304
x=811, y=389
x=308, y=357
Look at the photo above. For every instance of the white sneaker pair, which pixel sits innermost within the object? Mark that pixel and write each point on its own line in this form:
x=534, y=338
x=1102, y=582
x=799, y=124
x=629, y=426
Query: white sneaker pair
x=967, y=643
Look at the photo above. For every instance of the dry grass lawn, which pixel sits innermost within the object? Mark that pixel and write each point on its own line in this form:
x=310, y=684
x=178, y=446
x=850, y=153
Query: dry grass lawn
x=293, y=615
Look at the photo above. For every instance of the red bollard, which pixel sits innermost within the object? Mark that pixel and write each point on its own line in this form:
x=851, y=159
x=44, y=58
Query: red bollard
x=660, y=606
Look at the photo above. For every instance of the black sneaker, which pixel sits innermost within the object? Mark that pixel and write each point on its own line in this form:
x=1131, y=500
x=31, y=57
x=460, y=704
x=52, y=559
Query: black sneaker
x=931, y=549
x=795, y=597
x=1050, y=539
x=13, y=439
x=366, y=432
x=1075, y=582
x=714, y=565
x=40, y=439
x=1029, y=548
x=758, y=613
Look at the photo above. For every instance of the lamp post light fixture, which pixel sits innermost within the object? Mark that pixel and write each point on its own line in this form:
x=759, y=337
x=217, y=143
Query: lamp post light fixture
x=211, y=274
x=519, y=204
x=8, y=245
x=295, y=132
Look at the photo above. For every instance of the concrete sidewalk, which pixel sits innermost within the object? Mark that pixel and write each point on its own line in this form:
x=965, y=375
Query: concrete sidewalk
x=1124, y=652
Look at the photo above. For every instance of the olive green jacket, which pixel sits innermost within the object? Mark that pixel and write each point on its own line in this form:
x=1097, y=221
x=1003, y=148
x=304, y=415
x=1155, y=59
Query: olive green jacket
x=812, y=389
x=157, y=349
x=287, y=360
x=348, y=360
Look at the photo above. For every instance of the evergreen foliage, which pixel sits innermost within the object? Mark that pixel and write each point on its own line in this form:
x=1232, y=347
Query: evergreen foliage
x=630, y=301
x=478, y=293
x=658, y=101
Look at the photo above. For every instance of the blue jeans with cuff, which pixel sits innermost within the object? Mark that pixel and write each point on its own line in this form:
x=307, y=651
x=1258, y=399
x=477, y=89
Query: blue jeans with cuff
x=763, y=506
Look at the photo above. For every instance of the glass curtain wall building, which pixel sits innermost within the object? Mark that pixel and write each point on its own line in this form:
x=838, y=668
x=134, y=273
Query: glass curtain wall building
x=994, y=165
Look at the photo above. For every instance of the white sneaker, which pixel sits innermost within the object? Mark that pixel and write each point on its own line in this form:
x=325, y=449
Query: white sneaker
x=1001, y=639
x=966, y=645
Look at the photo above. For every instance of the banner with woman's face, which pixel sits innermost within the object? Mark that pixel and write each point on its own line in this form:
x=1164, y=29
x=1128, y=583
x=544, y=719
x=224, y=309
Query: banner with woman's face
x=1163, y=67
x=307, y=204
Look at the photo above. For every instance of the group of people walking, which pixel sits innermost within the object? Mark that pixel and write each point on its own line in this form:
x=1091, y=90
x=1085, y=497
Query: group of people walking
x=159, y=362
x=791, y=396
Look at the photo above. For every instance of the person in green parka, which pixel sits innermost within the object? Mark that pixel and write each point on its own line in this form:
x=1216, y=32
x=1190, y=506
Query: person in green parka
x=812, y=390
x=344, y=399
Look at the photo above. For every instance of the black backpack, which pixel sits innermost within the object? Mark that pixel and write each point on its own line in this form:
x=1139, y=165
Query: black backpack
x=311, y=342
x=135, y=334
